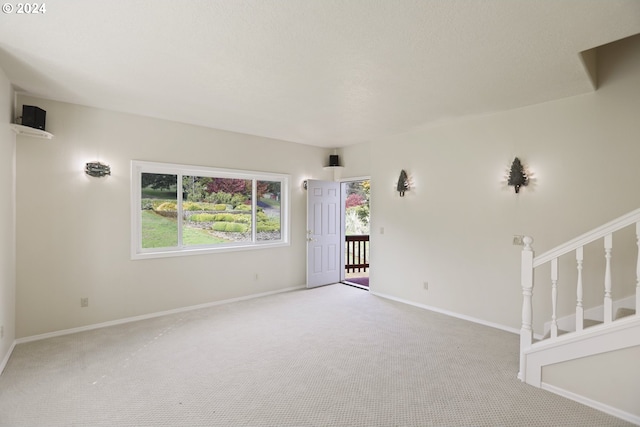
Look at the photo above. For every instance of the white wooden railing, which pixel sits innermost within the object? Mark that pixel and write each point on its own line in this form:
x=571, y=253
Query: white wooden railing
x=530, y=262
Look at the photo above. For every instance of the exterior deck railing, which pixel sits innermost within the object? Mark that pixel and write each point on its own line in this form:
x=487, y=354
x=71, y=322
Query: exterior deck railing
x=357, y=253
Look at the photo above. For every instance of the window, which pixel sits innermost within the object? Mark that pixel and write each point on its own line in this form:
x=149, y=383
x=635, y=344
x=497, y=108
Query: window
x=180, y=210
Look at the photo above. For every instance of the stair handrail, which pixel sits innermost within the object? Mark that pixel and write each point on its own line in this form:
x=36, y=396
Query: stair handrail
x=588, y=237
x=529, y=262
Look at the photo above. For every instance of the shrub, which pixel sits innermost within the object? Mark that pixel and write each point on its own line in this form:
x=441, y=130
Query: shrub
x=167, y=206
x=243, y=218
x=267, y=223
x=268, y=226
x=152, y=204
x=147, y=204
x=203, y=217
x=354, y=223
x=206, y=206
x=238, y=199
x=229, y=217
x=226, y=217
x=158, y=202
x=221, y=198
x=191, y=206
x=220, y=207
x=363, y=214
x=232, y=227
x=243, y=207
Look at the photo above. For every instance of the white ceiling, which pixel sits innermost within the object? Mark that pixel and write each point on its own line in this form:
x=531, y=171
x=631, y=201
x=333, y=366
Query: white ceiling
x=321, y=72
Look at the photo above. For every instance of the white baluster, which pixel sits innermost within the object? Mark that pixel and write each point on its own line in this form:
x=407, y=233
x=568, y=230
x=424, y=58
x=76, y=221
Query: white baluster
x=526, y=280
x=579, y=308
x=608, y=302
x=638, y=268
x=554, y=298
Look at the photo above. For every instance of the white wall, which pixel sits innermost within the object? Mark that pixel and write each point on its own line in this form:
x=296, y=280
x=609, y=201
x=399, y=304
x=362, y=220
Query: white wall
x=356, y=160
x=454, y=228
x=7, y=218
x=74, y=231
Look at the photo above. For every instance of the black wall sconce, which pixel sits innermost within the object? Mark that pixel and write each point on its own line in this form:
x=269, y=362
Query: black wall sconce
x=403, y=183
x=517, y=175
x=97, y=169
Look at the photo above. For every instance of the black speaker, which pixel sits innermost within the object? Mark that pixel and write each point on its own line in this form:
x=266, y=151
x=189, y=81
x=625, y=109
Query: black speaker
x=33, y=117
x=334, y=160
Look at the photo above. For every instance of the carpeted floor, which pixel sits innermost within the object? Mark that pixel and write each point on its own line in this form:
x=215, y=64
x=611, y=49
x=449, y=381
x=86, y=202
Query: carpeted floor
x=330, y=356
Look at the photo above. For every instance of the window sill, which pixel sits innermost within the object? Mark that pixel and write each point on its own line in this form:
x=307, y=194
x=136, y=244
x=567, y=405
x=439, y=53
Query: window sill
x=204, y=251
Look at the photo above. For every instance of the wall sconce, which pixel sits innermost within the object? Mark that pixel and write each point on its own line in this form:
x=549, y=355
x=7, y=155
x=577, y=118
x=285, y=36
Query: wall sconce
x=97, y=169
x=403, y=183
x=517, y=175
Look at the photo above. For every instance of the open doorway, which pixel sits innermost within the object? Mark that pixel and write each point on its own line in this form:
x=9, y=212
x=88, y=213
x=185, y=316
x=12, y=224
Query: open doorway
x=356, y=195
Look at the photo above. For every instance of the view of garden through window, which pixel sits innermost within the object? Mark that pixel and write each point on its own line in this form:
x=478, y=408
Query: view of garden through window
x=214, y=211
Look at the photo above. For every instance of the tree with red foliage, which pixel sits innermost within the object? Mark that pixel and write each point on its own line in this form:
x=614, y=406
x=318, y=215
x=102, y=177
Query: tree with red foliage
x=261, y=188
x=229, y=185
x=354, y=200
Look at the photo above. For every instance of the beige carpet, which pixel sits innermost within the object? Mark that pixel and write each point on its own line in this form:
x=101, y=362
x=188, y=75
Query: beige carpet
x=330, y=356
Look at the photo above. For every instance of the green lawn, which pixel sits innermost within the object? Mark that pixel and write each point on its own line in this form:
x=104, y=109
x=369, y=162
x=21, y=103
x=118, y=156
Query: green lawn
x=198, y=236
x=161, y=232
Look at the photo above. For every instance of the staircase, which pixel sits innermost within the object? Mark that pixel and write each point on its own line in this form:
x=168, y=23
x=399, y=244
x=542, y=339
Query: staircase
x=611, y=326
x=593, y=317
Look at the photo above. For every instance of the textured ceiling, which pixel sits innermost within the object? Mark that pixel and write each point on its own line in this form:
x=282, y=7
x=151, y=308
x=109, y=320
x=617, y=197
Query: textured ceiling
x=321, y=72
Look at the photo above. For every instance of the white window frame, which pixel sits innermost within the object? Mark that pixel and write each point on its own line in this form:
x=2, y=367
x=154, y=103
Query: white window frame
x=139, y=167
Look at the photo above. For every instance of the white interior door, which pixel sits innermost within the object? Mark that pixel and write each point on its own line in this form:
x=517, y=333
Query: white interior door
x=324, y=239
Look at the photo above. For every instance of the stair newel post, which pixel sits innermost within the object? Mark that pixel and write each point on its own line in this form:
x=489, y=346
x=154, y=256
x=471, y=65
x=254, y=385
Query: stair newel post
x=608, y=302
x=526, y=281
x=579, y=307
x=554, y=298
x=638, y=268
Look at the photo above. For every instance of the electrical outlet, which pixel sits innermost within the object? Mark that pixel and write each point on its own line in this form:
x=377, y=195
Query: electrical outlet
x=84, y=302
x=425, y=285
x=517, y=240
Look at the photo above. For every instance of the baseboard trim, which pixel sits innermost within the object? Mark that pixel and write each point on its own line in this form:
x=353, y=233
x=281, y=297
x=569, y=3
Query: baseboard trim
x=4, y=362
x=618, y=413
x=149, y=316
x=448, y=313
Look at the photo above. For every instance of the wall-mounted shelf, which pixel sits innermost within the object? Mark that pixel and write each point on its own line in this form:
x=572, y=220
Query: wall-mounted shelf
x=29, y=131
